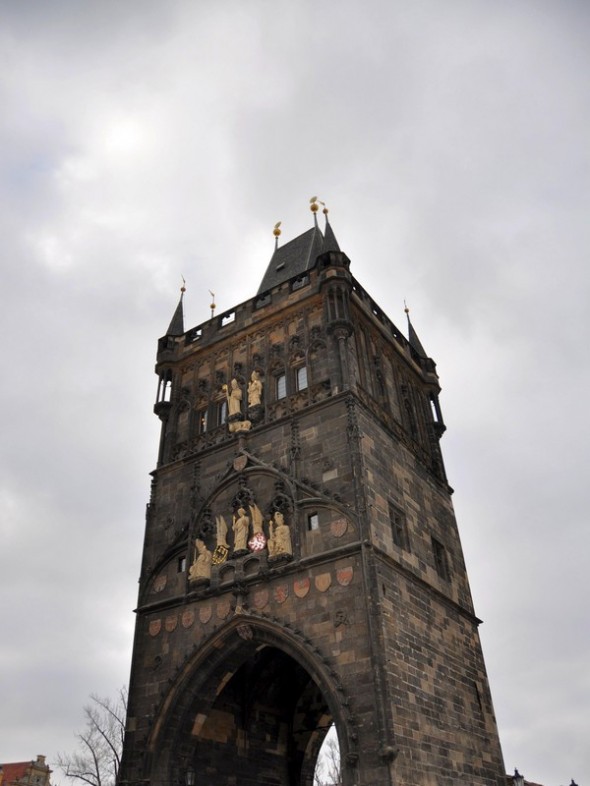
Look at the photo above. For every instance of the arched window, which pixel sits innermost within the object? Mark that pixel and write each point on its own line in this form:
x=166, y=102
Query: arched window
x=165, y=386
x=301, y=377
x=201, y=421
x=222, y=412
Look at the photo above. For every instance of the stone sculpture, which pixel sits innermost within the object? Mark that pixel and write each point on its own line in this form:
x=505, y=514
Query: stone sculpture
x=233, y=394
x=254, y=390
x=279, y=541
x=241, y=529
x=200, y=570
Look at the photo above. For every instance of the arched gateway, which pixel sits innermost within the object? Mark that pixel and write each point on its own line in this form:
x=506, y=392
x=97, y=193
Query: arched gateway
x=254, y=696
x=302, y=564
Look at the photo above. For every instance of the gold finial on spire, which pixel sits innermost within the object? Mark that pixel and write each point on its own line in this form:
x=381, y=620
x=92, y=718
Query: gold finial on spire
x=277, y=233
x=406, y=309
x=183, y=287
x=314, y=206
x=212, y=306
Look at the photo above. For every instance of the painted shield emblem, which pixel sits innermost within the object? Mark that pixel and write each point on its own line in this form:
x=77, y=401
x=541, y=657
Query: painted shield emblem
x=155, y=627
x=260, y=599
x=188, y=617
x=160, y=582
x=245, y=632
x=240, y=463
x=219, y=555
x=338, y=527
x=257, y=542
x=323, y=581
x=344, y=575
x=281, y=593
x=205, y=613
x=301, y=587
x=171, y=622
x=223, y=608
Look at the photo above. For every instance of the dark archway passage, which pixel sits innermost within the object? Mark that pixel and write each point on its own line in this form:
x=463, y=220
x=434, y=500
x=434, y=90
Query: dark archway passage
x=265, y=727
x=249, y=714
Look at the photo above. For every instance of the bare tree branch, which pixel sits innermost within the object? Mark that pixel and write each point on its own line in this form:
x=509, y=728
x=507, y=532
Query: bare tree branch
x=97, y=760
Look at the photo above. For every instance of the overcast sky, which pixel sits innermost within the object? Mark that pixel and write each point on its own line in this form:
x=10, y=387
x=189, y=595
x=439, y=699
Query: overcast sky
x=141, y=141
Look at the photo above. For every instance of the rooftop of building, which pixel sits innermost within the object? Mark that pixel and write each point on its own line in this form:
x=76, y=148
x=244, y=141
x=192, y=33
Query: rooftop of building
x=292, y=262
x=26, y=772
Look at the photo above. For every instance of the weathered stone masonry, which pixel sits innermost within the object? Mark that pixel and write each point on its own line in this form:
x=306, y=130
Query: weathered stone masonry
x=359, y=613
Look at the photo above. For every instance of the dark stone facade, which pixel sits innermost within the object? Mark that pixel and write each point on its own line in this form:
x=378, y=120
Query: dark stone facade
x=369, y=622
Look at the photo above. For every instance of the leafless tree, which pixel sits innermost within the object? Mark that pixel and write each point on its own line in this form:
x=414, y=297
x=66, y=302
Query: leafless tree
x=328, y=772
x=97, y=759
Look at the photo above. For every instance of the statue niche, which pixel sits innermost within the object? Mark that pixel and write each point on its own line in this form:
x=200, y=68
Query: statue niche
x=200, y=570
x=242, y=524
x=235, y=418
x=255, y=407
x=241, y=529
x=279, y=538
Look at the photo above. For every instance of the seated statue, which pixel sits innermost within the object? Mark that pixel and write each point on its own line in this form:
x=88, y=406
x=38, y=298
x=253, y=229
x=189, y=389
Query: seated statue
x=200, y=570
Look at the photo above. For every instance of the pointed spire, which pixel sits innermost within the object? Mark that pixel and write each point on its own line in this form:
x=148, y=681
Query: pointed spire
x=330, y=242
x=176, y=327
x=415, y=342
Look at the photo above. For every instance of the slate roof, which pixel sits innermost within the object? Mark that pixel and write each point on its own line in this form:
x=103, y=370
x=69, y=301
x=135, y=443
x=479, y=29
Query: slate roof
x=297, y=256
x=176, y=327
x=415, y=342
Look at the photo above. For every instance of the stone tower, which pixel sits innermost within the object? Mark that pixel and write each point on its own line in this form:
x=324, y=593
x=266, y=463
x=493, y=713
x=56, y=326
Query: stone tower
x=302, y=565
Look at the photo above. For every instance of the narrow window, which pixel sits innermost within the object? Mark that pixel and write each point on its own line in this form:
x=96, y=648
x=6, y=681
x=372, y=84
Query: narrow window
x=181, y=564
x=399, y=528
x=313, y=522
x=201, y=421
x=165, y=387
x=302, y=378
x=222, y=412
x=433, y=410
x=281, y=386
x=441, y=562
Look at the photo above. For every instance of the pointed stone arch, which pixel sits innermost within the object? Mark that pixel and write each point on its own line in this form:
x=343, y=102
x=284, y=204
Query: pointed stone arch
x=255, y=703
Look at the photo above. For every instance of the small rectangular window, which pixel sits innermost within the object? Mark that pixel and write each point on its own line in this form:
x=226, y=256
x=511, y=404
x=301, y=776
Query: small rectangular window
x=193, y=335
x=181, y=564
x=299, y=283
x=313, y=522
x=441, y=562
x=302, y=378
x=281, y=386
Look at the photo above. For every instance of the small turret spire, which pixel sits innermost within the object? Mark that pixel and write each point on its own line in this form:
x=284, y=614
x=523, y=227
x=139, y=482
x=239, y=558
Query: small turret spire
x=415, y=342
x=330, y=242
x=176, y=327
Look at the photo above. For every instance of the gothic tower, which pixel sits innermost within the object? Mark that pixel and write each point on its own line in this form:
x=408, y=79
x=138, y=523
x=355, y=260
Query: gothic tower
x=302, y=565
